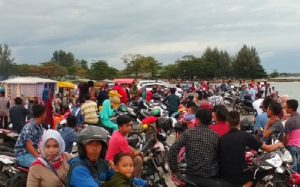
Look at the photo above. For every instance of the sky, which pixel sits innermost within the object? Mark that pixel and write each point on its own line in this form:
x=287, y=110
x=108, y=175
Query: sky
x=165, y=29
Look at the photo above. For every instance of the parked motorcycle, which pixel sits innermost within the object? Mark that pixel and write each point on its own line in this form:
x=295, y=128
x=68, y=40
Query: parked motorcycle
x=150, y=172
x=274, y=169
x=244, y=105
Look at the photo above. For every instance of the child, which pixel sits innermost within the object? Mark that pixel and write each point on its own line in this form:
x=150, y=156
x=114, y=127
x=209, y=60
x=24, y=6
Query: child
x=123, y=177
x=189, y=117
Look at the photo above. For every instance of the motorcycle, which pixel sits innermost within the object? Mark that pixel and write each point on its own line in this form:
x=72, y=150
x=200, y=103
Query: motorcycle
x=244, y=105
x=150, y=172
x=8, y=138
x=274, y=169
x=153, y=133
x=12, y=175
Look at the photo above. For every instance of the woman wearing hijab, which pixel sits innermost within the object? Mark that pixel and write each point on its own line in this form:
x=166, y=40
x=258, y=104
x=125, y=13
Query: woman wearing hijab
x=51, y=167
x=105, y=115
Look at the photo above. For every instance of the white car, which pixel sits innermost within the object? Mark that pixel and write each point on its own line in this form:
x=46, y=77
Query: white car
x=142, y=83
x=149, y=86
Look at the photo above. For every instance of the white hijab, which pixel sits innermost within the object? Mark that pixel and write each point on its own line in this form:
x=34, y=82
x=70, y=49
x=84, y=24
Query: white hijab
x=52, y=134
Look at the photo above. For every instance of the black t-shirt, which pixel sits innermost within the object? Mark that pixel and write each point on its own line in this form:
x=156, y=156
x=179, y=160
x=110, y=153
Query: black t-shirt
x=232, y=155
x=18, y=117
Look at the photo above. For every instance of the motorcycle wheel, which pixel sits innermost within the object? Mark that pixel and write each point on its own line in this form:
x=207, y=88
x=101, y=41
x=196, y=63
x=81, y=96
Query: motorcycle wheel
x=19, y=180
x=277, y=181
x=3, y=179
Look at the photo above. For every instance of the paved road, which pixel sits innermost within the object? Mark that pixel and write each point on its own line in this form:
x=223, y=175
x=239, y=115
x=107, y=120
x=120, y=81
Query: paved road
x=170, y=183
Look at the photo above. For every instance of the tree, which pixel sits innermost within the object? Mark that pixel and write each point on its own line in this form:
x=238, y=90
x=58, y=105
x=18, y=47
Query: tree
x=63, y=58
x=133, y=64
x=52, y=70
x=141, y=64
x=217, y=63
x=6, y=61
x=83, y=64
x=150, y=65
x=247, y=64
x=100, y=70
x=274, y=74
x=186, y=67
x=27, y=70
x=171, y=71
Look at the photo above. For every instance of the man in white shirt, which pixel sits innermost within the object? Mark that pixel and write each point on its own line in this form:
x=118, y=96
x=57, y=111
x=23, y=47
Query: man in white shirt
x=257, y=104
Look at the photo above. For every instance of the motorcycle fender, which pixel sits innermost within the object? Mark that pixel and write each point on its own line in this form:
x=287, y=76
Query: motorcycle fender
x=7, y=159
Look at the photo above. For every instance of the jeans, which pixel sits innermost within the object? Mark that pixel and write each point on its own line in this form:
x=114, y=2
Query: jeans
x=295, y=152
x=25, y=160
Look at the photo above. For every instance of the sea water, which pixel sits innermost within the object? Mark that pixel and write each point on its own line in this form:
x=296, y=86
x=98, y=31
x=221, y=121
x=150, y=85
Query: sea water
x=292, y=89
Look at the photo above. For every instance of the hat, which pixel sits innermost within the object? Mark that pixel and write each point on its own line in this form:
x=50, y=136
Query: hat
x=123, y=119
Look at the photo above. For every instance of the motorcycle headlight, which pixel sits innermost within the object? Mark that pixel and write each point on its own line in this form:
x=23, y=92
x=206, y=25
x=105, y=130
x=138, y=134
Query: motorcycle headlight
x=287, y=157
x=280, y=170
x=266, y=167
x=275, y=161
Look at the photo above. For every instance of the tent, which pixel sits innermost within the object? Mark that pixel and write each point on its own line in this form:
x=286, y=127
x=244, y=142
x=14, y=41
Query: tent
x=27, y=86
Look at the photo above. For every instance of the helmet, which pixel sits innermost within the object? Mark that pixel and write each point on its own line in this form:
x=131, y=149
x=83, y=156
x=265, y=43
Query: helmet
x=191, y=96
x=122, y=108
x=156, y=97
x=91, y=133
x=156, y=112
x=246, y=125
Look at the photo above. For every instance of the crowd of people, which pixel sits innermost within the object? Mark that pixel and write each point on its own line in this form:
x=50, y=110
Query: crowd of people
x=213, y=140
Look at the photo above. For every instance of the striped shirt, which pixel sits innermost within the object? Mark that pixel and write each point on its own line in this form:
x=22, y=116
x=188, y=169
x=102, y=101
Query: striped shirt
x=89, y=112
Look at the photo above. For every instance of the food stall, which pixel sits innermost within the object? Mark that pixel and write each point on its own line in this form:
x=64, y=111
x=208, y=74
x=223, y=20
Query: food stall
x=28, y=87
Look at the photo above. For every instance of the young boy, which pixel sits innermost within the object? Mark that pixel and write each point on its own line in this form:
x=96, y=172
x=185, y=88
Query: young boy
x=119, y=144
x=123, y=177
x=28, y=141
x=189, y=117
x=273, y=126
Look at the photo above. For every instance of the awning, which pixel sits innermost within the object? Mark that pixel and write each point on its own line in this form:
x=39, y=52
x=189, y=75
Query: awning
x=28, y=80
x=124, y=81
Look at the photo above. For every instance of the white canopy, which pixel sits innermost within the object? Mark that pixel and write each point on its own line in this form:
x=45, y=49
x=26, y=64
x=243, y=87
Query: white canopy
x=28, y=80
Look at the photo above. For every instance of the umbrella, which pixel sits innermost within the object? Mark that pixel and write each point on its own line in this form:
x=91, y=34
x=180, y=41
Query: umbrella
x=66, y=85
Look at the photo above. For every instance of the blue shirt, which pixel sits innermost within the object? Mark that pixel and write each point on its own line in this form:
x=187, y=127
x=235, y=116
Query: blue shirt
x=81, y=176
x=77, y=113
x=69, y=135
x=30, y=132
x=260, y=121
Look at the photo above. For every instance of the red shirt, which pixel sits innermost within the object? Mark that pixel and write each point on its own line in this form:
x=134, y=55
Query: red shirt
x=117, y=144
x=149, y=96
x=220, y=128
